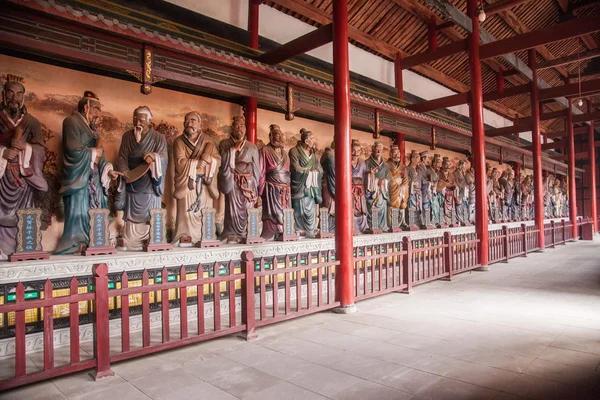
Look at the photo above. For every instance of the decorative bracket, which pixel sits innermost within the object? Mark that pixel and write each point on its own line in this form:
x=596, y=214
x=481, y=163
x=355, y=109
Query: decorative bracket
x=288, y=107
x=433, y=138
x=377, y=128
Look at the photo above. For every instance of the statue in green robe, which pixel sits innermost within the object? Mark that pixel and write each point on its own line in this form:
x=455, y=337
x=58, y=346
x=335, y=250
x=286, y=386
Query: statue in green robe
x=86, y=174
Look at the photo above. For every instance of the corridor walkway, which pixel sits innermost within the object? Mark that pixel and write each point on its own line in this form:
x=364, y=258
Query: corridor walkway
x=529, y=329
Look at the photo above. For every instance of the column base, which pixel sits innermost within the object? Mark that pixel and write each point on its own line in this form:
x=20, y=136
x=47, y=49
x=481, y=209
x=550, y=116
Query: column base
x=95, y=375
x=350, y=309
x=484, y=268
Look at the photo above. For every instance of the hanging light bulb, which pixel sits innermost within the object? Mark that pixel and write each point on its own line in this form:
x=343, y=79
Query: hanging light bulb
x=481, y=14
x=579, y=103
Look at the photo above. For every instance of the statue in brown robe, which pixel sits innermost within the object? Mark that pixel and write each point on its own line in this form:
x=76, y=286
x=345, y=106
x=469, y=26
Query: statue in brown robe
x=328, y=184
x=398, y=185
x=21, y=161
x=359, y=179
x=238, y=179
x=446, y=185
x=274, y=184
x=196, y=162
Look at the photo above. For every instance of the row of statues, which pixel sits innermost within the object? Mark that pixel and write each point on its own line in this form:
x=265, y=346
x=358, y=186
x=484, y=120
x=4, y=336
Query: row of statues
x=386, y=194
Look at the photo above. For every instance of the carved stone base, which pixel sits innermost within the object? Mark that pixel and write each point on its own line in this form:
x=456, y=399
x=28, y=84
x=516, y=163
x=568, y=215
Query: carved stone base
x=374, y=231
x=288, y=238
x=208, y=243
x=427, y=227
x=442, y=226
x=98, y=251
x=31, y=255
x=411, y=228
x=186, y=241
x=324, y=235
x=158, y=247
x=253, y=240
x=396, y=230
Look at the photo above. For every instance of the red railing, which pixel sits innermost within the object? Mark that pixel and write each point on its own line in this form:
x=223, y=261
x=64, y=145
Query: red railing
x=549, y=234
x=241, y=295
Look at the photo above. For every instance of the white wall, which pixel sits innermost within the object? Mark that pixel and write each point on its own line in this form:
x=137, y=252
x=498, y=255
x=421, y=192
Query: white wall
x=282, y=28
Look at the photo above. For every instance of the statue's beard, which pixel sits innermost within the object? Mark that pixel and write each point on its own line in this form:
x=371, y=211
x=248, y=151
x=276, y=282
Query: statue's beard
x=13, y=108
x=137, y=130
x=377, y=158
x=237, y=135
x=190, y=131
x=277, y=143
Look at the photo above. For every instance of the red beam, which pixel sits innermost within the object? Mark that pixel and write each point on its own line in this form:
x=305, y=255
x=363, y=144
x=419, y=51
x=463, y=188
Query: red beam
x=444, y=25
x=560, y=144
x=536, y=145
x=570, y=89
x=559, y=134
x=398, y=76
x=573, y=58
x=553, y=115
x=550, y=34
x=578, y=156
x=432, y=36
x=592, y=160
x=441, y=52
x=593, y=116
x=301, y=45
x=503, y=5
x=251, y=106
x=571, y=169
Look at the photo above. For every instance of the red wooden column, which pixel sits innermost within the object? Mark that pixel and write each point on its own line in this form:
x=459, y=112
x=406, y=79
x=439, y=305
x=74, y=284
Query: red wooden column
x=538, y=188
x=481, y=221
x=592, y=157
x=398, y=76
x=572, y=188
x=401, y=143
x=251, y=106
x=344, y=251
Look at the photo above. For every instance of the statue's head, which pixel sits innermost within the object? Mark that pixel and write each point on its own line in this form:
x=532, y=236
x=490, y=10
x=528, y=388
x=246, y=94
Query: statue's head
x=192, y=123
x=495, y=173
x=89, y=106
x=356, y=150
x=238, y=128
x=414, y=157
x=142, y=117
x=395, y=154
x=13, y=94
x=423, y=157
x=332, y=146
x=488, y=169
x=276, y=136
x=461, y=165
x=377, y=150
x=308, y=139
x=436, y=163
x=445, y=163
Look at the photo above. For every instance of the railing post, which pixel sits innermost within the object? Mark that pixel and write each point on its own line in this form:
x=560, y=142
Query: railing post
x=505, y=235
x=448, y=255
x=407, y=272
x=564, y=235
x=248, y=316
x=524, y=230
x=101, y=327
x=553, y=234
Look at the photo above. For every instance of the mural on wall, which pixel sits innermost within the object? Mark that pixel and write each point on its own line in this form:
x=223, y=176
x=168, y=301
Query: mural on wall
x=53, y=93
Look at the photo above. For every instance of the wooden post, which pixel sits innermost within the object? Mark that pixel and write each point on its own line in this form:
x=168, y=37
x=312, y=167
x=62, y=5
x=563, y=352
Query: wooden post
x=248, y=316
x=505, y=234
x=538, y=188
x=101, y=327
x=524, y=230
x=448, y=254
x=593, y=167
x=398, y=76
x=343, y=174
x=572, y=188
x=478, y=141
x=251, y=105
x=407, y=272
x=553, y=234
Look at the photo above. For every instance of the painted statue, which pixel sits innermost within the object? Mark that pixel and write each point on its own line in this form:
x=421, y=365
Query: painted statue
x=21, y=160
x=495, y=197
x=461, y=193
x=238, y=178
x=359, y=177
x=398, y=188
x=565, y=198
x=414, y=191
x=142, y=160
x=556, y=199
x=377, y=190
x=274, y=183
x=426, y=189
x=328, y=184
x=526, y=197
x=196, y=160
x=548, y=183
x=515, y=213
x=437, y=195
x=489, y=189
x=306, y=174
x=470, y=179
x=447, y=187
x=508, y=187
x=86, y=174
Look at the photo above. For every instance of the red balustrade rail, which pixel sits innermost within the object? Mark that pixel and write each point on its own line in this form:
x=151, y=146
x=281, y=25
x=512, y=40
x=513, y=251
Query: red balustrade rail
x=242, y=295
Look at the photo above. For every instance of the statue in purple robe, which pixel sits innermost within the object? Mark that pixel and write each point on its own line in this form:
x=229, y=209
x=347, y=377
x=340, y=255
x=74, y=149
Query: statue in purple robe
x=306, y=175
x=274, y=183
x=21, y=161
x=238, y=180
x=86, y=174
x=328, y=184
x=142, y=160
x=359, y=201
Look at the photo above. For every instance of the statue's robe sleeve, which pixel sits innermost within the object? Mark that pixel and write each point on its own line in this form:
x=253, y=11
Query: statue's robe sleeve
x=34, y=172
x=182, y=161
x=225, y=177
x=328, y=165
x=77, y=156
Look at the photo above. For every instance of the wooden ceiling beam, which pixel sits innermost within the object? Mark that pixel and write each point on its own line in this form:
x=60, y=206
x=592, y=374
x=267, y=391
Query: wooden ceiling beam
x=498, y=6
x=312, y=40
x=586, y=55
x=430, y=56
x=550, y=34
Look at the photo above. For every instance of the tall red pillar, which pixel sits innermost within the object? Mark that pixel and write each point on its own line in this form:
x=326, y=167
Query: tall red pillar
x=481, y=221
x=401, y=143
x=251, y=105
x=344, y=250
x=592, y=159
x=538, y=188
x=571, y=155
x=398, y=76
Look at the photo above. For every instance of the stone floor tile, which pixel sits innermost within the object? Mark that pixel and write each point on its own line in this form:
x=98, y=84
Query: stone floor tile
x=375, y=333
x=577, y=344
x=438, y=365
x=508, y=396
x=413, y=341
x=81, y=383
x=119, y=391
x=244, y=382
x=450, y=389
x=142, y=367
x=285, y=391
x=406, y=379
x=302, y=349
x=37, y=391
x=369, y=390
x=564, y=373
x=164, y=385
x=582, y=333
x=481, y=375
x=361, y=366
x=571, y=357
x=541, y=389
x=498, y=359
x=325, y=381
